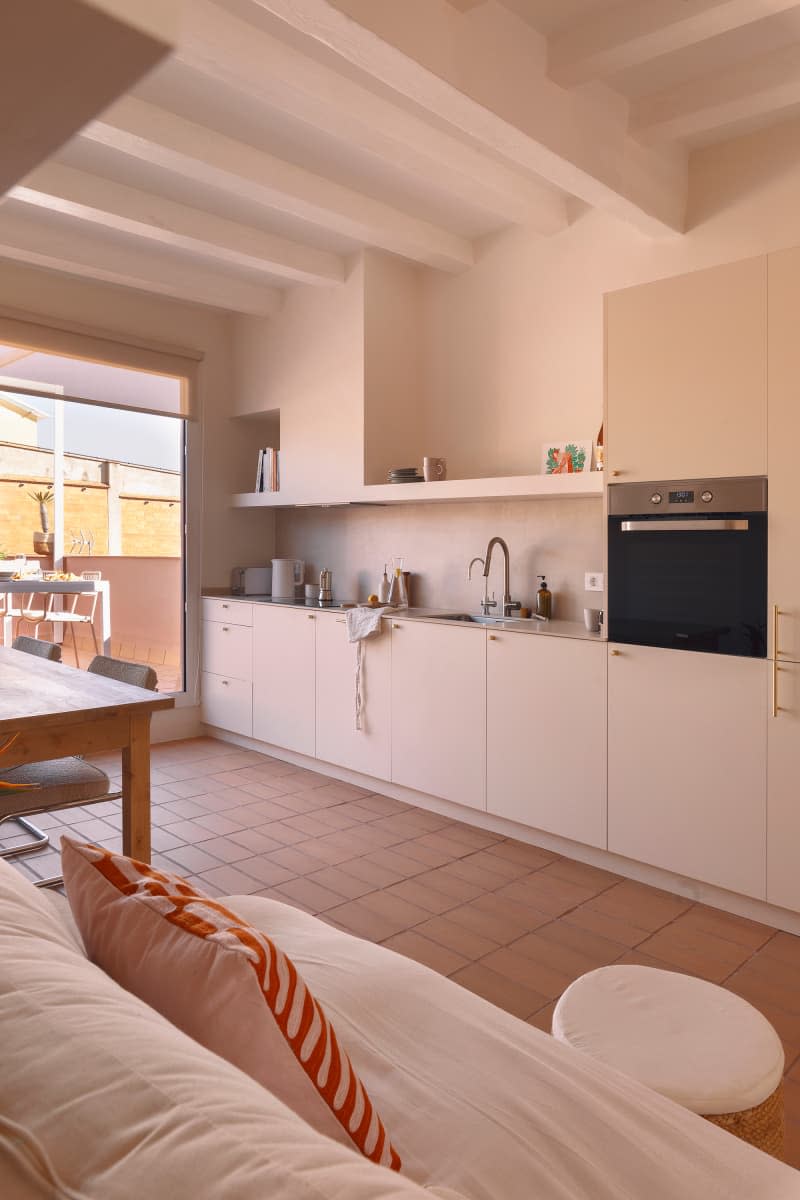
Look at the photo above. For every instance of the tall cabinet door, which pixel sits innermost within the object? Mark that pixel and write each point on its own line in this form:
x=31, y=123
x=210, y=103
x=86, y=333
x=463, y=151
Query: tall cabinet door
x=284, y=677
x=784, y=439
x=686, y=374
x=783, y=803
x=687, y=761
x=546, y=733
x=439, y=710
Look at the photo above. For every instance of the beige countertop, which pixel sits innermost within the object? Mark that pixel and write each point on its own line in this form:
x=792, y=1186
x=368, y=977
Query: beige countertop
x=555, y=628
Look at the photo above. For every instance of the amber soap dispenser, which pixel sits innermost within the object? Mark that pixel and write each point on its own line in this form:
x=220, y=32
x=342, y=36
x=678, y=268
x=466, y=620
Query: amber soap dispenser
x=544, y=600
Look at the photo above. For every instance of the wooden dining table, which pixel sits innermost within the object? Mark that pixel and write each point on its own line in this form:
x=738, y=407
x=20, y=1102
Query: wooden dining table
x=57, y=710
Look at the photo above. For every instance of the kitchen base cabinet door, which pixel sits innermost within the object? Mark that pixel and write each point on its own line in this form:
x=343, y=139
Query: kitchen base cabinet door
x=284, y=678
x=227, y=703
x=439, y=710
x=783, y=791
x=546, y=734
x=687, y=758
x=338, y=740
x=227, y=649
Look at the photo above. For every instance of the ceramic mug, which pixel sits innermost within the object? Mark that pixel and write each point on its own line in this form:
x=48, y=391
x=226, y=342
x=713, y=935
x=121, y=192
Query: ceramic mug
x=591, y=619
x=434, y=469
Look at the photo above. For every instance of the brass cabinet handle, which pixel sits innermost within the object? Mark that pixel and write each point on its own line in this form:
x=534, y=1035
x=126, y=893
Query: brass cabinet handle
x=225, y=629
x=395, y=625
x=224, y=683
x=311, y=616
x=492, y=637
x=616, y=473
x=616, y=653
x=775, y=614
x=226, y=606
x=340, y=621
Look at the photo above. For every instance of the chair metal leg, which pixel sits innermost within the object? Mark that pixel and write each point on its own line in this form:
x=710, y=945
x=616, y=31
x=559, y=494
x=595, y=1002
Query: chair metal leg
x=94, y=637
x=74, y=644
x=40, y=838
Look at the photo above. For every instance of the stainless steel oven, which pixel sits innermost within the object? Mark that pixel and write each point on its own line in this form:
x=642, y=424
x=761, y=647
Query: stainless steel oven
x=687, y=565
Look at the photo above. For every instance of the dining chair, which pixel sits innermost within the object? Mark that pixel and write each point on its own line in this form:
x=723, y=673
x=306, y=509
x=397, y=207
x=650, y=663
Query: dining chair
x=67, y=782
x=37, y=646
x=69, y=617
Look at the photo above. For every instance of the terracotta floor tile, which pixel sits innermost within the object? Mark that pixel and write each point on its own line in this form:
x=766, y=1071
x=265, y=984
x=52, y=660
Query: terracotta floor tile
x=570, y=961
x=163, y=840
x=505, y=993
x=728, y=926
x=469, y=835
x=593, y=946
x=355, y=918
x=255, y=841
x=531, y=974
x=218, y=824
x=543, y=1019
x=636, y=958
x=205, y=886
x=223, y=849
x=444, y=880
x=267, y=873
x=528, y=856
x=502, y=925
x=640, y=905
x=422, y=950
x=777, y=981
x=404, y=866
x=230, y=882
x=375, y=874
x=361, y=839
x=296, y=860
x=613, y=928
x=697, y=952
x=425, y=897
x=478, y=873
x=783, y=946
x=547, y=893
x=326, y=853
x=383, y=806
x=313, y=896
x=190, y=787
x=404, y=913
x=340, y=881
x=408, y=825
x=456, y=937
x=448, y=845
x=191, y=858
x=184, y=809
x=582, y=873
x=282, y=833
x=425, y=855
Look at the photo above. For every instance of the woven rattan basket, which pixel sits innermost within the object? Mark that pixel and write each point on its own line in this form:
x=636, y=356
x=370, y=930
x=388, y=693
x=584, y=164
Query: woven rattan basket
x=762, y=1126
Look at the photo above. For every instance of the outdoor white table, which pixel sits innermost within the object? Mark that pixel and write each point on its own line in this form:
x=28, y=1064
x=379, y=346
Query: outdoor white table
x=61, y=587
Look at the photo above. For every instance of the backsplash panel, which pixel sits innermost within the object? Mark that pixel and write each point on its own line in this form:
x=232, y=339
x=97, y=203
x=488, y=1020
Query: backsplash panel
x=561, y=539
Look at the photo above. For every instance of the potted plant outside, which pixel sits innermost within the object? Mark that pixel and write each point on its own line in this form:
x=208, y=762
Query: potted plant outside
x=43, y=538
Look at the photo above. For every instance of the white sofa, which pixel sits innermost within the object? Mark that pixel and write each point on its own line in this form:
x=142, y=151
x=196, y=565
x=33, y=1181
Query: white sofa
x=102, y=1099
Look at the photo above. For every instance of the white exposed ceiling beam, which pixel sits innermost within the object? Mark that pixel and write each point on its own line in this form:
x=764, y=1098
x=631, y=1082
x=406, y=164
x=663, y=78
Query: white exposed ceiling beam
x=124, y=209
x=755, y=88
x=628, y=34
x=547, y=131
x=237, y=54
x=160, y=138
x=63, y=62
x=66, y=249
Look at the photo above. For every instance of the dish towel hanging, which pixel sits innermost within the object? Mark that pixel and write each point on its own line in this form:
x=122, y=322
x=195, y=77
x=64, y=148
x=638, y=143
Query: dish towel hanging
x=362, y=623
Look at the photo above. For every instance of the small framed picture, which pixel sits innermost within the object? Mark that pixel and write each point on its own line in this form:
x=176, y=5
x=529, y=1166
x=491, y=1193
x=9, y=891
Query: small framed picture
x=567, y=457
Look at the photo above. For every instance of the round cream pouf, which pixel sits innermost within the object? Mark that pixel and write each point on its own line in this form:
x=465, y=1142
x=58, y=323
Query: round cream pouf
x=696, y=1043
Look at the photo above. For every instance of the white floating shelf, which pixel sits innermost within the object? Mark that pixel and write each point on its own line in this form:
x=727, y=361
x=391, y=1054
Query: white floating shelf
x=504, y=487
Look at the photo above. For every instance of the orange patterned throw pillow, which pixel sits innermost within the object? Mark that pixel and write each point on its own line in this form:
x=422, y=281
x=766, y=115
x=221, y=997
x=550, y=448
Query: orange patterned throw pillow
x=224, y=983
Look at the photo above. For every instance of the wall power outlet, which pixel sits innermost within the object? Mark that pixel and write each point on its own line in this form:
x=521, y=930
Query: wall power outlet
x=593, y=581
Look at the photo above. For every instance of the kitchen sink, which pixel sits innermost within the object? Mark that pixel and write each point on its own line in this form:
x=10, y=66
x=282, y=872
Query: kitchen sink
x=473, y=619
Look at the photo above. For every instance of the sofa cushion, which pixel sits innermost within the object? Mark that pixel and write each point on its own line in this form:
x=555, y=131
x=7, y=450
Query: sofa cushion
x=224, y=983
x=490, y=1106
x=120, y=1103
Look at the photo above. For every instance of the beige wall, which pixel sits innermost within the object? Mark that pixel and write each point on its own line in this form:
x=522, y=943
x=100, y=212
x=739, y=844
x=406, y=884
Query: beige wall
x=512, y=350
x=560, y=538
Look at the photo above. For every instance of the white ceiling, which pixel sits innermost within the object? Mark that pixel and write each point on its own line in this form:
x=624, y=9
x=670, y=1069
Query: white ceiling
x=284, y=135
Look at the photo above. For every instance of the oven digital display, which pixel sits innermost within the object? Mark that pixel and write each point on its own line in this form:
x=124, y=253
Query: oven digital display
x=682, y=497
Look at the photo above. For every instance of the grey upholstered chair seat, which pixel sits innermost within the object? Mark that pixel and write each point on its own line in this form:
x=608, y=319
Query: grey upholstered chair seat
x=61, y=783
x=137, y=674
x=38, y=647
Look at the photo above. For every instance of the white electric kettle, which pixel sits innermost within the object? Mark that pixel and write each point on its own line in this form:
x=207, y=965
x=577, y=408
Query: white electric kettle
x=287, y=574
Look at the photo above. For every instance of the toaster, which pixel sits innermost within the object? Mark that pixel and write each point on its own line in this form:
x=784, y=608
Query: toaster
x=251, y=581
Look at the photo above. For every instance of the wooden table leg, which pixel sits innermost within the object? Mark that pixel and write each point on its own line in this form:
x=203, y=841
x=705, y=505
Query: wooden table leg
x=136, y=789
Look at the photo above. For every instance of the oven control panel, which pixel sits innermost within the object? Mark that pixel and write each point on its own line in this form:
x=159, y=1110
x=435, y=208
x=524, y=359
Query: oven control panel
x=745, y=494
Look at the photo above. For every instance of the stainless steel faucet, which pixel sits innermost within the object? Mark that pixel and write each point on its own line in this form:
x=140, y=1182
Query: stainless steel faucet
x=509, y=605
x=486, y=603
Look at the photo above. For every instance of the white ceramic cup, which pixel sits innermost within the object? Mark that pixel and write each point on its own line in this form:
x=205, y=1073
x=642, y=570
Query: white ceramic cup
x=591, y=619
x=434, y=469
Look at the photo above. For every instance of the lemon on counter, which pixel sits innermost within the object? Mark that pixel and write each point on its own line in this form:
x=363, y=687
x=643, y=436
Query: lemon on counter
x=373, y=599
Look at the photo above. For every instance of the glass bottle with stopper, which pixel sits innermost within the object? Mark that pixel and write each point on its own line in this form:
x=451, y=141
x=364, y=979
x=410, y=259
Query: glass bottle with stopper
x=398, y=593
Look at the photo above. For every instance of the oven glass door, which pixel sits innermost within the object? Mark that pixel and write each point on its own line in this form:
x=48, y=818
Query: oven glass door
x=696, y=584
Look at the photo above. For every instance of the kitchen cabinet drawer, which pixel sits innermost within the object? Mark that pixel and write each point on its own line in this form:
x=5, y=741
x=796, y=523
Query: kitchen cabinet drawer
x=284, y=678
x=439, y=710
x=229, y=612
x=686, y=372
x=227, y=703
x=783, y=791
x=546, y=734
x=687, y=759
x=338, y=740
x=228, y=649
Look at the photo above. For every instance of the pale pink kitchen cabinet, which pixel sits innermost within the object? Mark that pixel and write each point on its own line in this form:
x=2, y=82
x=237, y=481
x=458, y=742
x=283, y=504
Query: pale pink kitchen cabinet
x=284, y=677
x=686, y=375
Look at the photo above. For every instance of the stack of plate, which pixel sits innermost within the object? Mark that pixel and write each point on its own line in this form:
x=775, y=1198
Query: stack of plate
x=405, y=475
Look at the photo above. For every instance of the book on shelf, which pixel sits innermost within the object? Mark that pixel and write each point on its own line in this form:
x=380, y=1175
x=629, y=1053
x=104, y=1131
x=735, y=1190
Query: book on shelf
x=267, y=471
